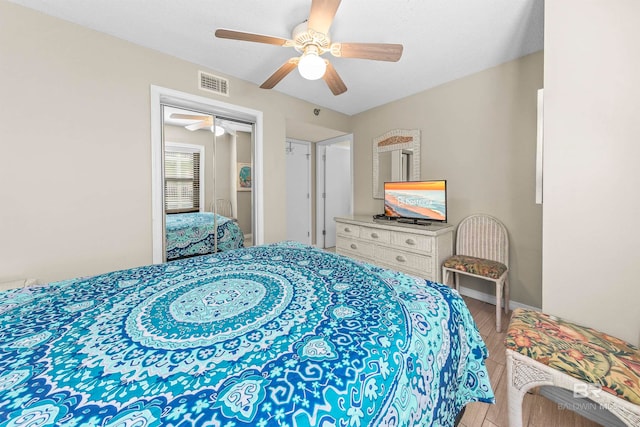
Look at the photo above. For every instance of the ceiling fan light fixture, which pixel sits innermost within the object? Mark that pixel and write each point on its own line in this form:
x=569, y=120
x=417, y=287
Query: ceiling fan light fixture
x=311, y=39
x=219, y=130
x=311, y=66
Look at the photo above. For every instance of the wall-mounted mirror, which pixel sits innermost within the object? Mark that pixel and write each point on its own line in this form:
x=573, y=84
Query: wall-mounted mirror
x=396, y=157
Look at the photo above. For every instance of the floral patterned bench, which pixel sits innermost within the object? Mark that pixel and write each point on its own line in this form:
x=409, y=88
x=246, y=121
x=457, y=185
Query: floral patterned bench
x=546, y=350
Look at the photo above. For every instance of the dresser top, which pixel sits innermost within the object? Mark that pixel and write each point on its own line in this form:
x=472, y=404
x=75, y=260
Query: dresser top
x=432, y=230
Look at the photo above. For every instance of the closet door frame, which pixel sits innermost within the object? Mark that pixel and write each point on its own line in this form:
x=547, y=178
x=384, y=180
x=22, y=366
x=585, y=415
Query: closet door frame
x=164, y=96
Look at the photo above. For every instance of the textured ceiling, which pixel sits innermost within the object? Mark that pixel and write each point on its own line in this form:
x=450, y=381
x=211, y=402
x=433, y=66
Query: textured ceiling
x=443, y=39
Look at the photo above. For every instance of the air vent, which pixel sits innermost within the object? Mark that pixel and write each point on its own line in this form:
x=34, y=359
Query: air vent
x=214, y=84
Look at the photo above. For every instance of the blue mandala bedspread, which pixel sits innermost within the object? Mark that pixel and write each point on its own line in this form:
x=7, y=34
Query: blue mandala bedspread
x=274, y=335
x=191, y=234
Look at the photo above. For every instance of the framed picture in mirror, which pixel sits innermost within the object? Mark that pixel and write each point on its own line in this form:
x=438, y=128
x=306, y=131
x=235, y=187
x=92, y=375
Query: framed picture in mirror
x=244, y=177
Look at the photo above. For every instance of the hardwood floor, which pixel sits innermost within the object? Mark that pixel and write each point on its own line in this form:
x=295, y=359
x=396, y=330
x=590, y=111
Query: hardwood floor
x=538, y=411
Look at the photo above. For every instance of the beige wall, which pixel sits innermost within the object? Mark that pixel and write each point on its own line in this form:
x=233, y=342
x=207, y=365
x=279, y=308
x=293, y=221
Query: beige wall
x=478, y=133
x=76, y=143
x=591, y=255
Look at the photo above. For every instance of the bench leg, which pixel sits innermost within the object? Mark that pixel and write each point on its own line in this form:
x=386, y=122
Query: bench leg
x=521, y=376
x=514, y=396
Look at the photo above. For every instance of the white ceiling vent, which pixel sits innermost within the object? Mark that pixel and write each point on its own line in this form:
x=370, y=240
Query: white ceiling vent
x=214, y=84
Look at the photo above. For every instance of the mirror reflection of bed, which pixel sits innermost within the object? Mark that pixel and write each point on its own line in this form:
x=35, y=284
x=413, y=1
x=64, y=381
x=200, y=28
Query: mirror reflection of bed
x=207, y=207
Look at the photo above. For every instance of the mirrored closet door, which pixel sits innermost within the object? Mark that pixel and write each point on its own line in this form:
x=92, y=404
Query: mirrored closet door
x=207, y=183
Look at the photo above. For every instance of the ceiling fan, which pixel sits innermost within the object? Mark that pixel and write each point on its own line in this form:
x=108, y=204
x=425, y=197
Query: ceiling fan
x=201, y=122
x=311, y=39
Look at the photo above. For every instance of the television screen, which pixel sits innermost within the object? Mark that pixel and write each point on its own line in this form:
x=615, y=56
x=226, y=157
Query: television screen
x=421, y=200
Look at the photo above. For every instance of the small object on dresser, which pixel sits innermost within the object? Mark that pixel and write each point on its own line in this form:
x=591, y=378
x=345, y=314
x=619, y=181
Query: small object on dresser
x=383, y=217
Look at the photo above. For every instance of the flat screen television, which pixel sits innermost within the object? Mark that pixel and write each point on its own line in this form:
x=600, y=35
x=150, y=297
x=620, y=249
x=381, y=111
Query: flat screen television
x=416, y=200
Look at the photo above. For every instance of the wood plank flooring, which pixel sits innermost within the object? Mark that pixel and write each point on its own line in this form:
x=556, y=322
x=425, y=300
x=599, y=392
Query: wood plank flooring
x=538, y=411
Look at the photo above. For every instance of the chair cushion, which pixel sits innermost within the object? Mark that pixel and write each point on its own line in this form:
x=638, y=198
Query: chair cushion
x=477, y=266
x=583, y=353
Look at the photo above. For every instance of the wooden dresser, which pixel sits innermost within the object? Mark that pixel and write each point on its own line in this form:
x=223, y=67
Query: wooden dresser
x=414, y=249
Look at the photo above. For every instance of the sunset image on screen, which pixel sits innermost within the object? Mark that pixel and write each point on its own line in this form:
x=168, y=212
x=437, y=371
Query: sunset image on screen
x=425, y=200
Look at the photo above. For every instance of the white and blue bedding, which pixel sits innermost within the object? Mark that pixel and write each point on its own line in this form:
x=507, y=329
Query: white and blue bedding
x=192, y=234
x=275, y=335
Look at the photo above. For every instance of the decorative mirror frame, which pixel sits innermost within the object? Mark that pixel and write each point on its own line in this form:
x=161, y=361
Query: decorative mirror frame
x=397, y=139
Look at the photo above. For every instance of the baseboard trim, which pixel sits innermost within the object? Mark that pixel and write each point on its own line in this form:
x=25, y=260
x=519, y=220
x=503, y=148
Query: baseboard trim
x=491, y=299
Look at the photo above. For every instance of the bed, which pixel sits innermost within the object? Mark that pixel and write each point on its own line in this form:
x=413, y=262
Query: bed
x=190, y=234
x=272, y=335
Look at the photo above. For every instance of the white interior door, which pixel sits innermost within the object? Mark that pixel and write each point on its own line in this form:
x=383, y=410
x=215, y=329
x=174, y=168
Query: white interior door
x=335, y=198
x=298, y=154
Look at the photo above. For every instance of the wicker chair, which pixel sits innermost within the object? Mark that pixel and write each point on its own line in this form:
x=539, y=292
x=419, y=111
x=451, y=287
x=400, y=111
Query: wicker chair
x=223, y=207
x=482, y=251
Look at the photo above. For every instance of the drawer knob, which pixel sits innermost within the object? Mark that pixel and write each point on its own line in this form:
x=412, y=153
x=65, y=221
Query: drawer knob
x=400, y=258
x=374, y=235
x=410, y=242
x=354, y=246
x=347, y=230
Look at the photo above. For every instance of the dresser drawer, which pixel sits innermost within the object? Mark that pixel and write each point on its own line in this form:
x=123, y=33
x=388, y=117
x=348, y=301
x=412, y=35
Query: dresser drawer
x=419, y=251
x=414, y=242
x=347, y=230
x=402, y=260
x=356, y=247
x=375, y=235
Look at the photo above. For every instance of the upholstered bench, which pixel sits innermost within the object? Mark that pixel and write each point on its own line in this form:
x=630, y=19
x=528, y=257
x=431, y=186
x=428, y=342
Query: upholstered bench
x=546, y=350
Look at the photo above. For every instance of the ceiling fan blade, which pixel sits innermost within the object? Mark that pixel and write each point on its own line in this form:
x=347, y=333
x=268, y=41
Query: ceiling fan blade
x=188, y=117
x=250, y=37
x=333, y=80
x=280, y=73
x=199, y=125
x=376, y=51
x=322, y=14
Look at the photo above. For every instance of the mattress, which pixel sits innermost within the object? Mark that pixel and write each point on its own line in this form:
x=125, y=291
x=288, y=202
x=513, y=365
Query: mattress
x=273, y=335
